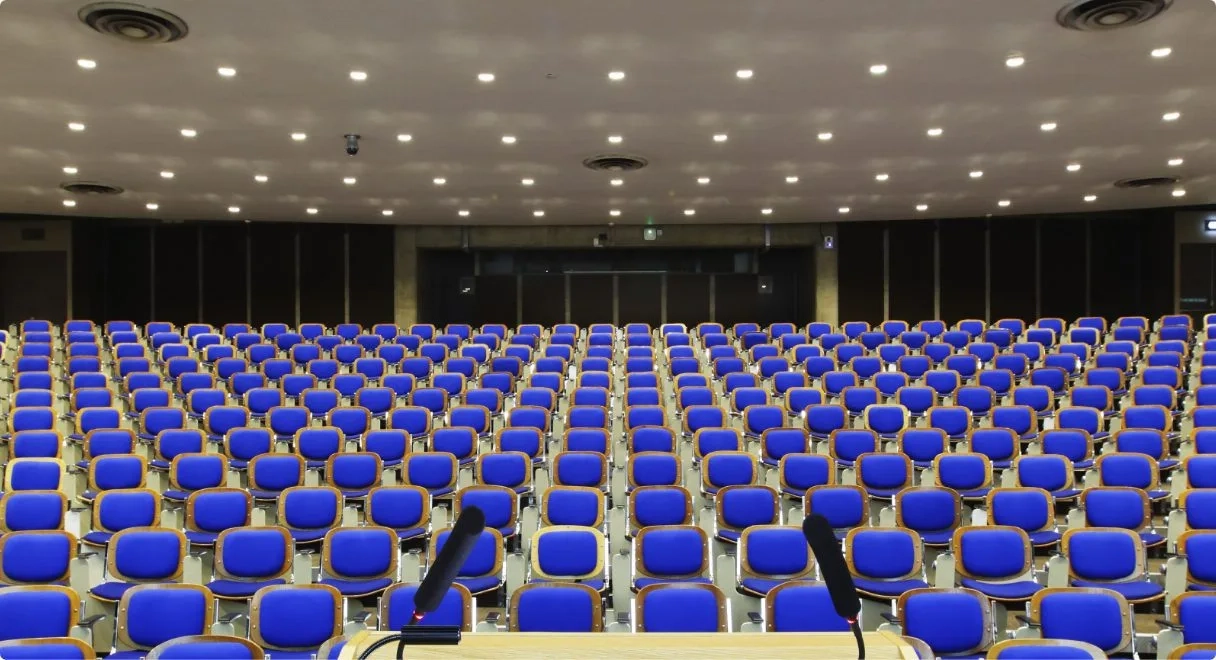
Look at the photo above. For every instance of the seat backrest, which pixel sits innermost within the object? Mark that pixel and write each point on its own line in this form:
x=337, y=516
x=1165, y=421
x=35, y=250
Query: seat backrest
x=152, y=614
x=685, y=607
x=295, y=617
x=950, y=621
x=555, y=608
x=1096, y=616
x=456, y=608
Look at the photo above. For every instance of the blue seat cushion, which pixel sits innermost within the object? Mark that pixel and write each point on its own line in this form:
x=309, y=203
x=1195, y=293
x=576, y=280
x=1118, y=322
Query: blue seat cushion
x=128, y=655
x=240, y=589
x=1083, y=465
x=937, y=538
x=111, y=590
x=729, y=535
x=883, y=493
x=259, y=494
x=887, y=588
x=1066, y=493
x=158, y=464
x=1046, y=537
x=760, y=586
x=176, y=495
x=292, y=655
x=97, y=538
x=440, y=492
x=639, y=583
x=974, y=493
x=1004, y=590
x=201, y=538
x=481, y=584
x=410, y=533
x=354, y=494
x=358, y=587
x=238, y=464
x=392, y=463
x=1133, y=591
x=308, y=535
x=88, y=496
x=1151, y=539
x=597, y=583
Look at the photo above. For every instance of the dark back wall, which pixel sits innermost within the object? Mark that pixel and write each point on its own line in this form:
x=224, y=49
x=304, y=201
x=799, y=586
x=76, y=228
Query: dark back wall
x=1103, y=264
x=232, y=272
x=650, y=285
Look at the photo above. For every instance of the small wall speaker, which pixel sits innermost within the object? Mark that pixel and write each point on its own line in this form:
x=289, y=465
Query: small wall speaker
x=467, y=286
x=764, y=285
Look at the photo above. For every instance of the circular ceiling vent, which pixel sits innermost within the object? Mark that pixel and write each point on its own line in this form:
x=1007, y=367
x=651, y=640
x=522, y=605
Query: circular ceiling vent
x=133, y=23
x=615, y=163
x=1147, y=182
x=90, y=188
x=1099, y=15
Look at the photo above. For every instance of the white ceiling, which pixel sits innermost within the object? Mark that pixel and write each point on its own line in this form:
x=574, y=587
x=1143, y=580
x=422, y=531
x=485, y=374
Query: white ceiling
x=551, y=60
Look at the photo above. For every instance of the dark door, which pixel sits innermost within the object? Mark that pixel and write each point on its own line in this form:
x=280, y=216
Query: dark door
x=33, y=285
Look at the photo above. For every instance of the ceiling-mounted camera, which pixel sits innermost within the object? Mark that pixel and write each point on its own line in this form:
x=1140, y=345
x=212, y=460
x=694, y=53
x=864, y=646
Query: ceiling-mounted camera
x=352, y=143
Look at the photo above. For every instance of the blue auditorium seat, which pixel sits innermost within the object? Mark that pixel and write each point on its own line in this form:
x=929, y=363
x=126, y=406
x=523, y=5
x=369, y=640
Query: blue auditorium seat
x=1109, y=558
x=152, y=614
x=555, y=608
x=681, y=608
x=995, y=561
x=141, y=555
x=933, y=513
x=483, y=571
x=359, y=562
x=1096, y=616
x=801, y=606
x=569, y=554
x=846, y=507
x=952, y=622
x=293, y=621
x=34, y=612
x=885, y=562
x=32, y=510
x=770, y=555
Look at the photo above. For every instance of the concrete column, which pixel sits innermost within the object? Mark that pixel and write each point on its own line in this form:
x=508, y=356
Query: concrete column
x=405, y=276
x=827, y=280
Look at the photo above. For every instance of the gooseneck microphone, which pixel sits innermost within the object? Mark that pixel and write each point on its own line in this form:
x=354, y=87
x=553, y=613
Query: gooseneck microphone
x=822, y=539
x=447, y=565
x=435, y=585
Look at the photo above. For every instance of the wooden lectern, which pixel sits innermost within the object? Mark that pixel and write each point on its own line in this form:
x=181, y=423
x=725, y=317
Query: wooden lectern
x=622, y=646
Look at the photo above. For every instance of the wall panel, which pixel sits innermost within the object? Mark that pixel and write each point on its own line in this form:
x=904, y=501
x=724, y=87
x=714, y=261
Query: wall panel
x=735, y=299
x=128, y=262
x=225, y=273
x=910, y=270
x=371, y=274
x=322, y=274
x=687, y=298
x=641, y=298
x=860, y=271
x=544, y=299
x=1063, y=268
x=175, y=273
x=273, y=273
x=590, y=298
x=1013, y=290
x=496, y=298
x=961, y=245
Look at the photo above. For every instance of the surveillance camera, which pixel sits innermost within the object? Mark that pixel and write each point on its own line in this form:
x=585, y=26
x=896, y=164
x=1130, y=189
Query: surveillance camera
x=352, y=144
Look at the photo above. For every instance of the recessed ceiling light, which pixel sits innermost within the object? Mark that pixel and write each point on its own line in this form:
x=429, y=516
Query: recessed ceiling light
x=527, y=182
x=508, y=139
x=1174, y=162
x=261, y=178
x=226, y=71
x=86, y=64
x=1014, y=61
x=234, y=209
x=1171, y=116
x=358, y=76
x=617, y=182
x=933, y=132
x=922, y=207
x=1179, y=192
x=744, y=74
x=975, y=174
x=404, y=137
x=1091, y=198
x=791, y=179
x=616, y=75
x=69, y=203
x=311, y=211
x=70, y=170
x=615, y=213
x=151, y=206
x=1003, y=203
x=690, y=211
x=825, y=136
x=703, y=180
x=882, y=176
x=1047, y=127
x=1073, y=167
x=1161, y=52
x=842, y=210
x=439, y=181
x=464, y=213
x=189, y=132
x=720, y=137
x=615, y=139
x=538, y=213
x=299, y=137
x=166, y=174
x=386, y=212
x=75, y=126
x=766, y=211
x=878, y=69
x=350, y=180
x=485, y=77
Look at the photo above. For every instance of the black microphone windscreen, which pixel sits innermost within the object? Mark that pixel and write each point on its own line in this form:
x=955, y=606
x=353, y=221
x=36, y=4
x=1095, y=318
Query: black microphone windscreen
x=821, y=538
x=451, y=558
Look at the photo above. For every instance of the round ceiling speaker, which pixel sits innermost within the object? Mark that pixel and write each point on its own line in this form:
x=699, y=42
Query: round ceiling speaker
x=133, y=23
x=615, y=163
x=1147, y=182
x=90, y=188
x=1101, y=15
